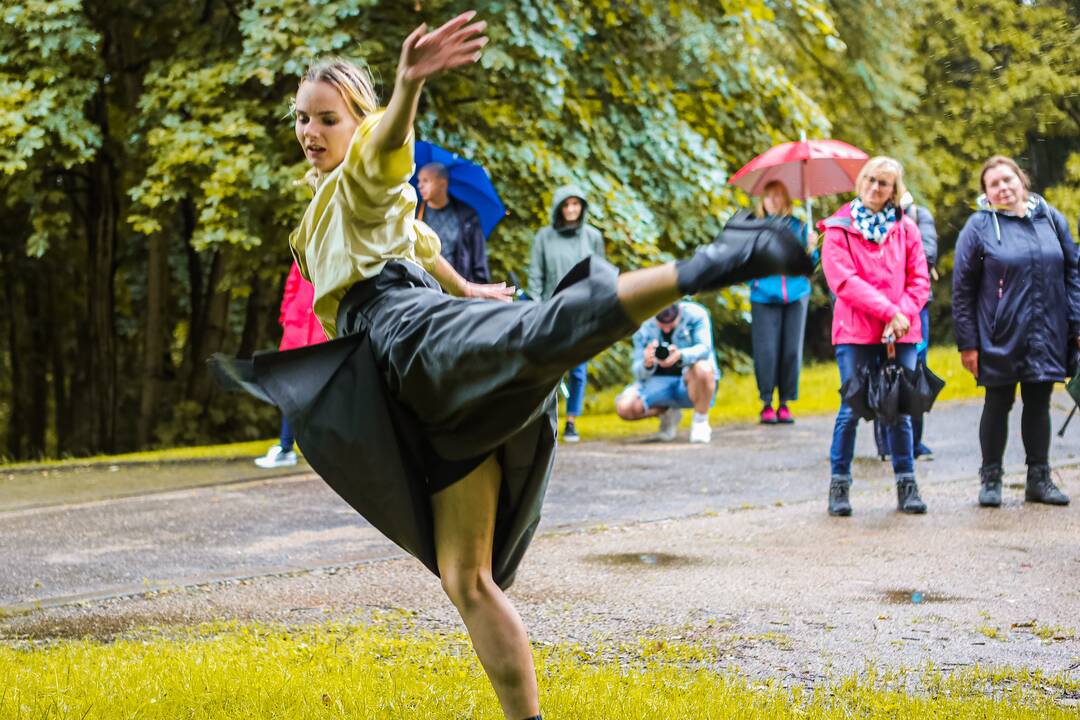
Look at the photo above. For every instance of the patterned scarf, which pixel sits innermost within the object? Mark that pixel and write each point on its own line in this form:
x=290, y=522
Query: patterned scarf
x=873, y=225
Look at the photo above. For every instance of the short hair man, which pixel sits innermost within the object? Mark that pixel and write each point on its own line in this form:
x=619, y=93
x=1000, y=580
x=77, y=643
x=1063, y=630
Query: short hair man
x=675, y=367
x=456, y=224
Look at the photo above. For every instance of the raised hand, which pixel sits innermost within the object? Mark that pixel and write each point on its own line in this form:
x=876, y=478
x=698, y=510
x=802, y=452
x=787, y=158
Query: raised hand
x=456, y=43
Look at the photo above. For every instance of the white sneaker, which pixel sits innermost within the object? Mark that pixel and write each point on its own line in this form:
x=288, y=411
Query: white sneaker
x=700, y=432
x=669, y=424
x=274, y=458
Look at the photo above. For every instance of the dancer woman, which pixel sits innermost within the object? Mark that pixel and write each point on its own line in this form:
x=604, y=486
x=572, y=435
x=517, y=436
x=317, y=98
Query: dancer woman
x=432, y=415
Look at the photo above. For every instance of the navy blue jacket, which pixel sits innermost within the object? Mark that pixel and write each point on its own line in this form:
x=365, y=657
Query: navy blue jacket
x=469, y=256
x=1016, y=294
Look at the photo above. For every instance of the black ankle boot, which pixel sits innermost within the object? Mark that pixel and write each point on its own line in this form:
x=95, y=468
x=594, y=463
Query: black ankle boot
x=907, y=495
x=1041, y=489
x=990, y=488
x=747, y=248
x=839, y=504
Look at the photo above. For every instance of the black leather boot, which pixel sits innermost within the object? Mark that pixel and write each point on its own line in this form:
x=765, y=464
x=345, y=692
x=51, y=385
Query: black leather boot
x=1041, y=489
x=839, y=503
x=748, y=248
x=907, y=495
x=990, y=488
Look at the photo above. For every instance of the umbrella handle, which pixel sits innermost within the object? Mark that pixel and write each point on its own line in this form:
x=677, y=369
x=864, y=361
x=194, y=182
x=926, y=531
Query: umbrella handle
x=890, y=350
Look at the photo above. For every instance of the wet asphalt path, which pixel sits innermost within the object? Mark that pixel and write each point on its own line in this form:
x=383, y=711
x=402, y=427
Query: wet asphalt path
x=101, y=548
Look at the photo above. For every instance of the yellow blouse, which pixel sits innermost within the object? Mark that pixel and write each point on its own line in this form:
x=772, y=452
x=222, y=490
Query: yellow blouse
x=362, y=215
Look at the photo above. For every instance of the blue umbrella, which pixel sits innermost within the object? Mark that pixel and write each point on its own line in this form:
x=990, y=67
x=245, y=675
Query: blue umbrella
x=469, y=183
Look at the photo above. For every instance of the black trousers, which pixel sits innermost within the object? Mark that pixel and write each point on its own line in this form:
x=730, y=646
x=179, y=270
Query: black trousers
x=1034, y=422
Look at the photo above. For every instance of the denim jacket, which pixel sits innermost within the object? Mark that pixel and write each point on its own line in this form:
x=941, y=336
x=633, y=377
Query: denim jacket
x=693, y=337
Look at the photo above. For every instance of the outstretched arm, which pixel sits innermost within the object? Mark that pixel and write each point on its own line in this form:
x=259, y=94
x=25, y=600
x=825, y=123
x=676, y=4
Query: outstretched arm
x=425, y=54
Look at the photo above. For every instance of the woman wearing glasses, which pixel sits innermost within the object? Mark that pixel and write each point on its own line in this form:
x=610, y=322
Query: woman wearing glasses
x=874, y=262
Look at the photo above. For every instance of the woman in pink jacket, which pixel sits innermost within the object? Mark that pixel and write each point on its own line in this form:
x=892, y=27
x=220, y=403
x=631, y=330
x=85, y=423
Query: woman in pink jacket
x=300, y=328
x=874, y=262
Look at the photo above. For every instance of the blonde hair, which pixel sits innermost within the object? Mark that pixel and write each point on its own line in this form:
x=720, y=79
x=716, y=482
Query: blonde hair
x=886, y=164
x=352, y=81
x=759, y=209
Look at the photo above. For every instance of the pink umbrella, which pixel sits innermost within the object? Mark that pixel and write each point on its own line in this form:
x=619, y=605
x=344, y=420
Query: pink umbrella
x=808, y=168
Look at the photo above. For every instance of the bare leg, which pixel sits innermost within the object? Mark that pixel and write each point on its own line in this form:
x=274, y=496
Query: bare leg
x=464, y=529
x=643, y=293
x=700, y=386
x=629, y=406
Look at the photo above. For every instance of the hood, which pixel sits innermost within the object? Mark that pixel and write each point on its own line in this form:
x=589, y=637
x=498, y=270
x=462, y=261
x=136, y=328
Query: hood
x=1036, y=207
x=560, y=196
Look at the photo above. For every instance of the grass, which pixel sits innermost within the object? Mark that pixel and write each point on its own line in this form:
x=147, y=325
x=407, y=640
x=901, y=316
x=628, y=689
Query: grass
x=737, y=397
x=224, y=672
x=228, y=451
x=736, y=401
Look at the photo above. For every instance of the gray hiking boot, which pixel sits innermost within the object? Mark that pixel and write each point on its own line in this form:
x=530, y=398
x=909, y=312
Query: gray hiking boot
x=990, y=488
x=907, y=495
x=839, y=504
x=1041, y=489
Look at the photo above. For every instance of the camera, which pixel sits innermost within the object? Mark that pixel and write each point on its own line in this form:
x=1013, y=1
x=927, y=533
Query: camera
x=662, y=351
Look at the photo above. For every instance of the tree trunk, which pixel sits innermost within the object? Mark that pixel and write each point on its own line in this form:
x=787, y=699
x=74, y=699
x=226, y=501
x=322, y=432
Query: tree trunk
x=157, y=277
x=15, y=419
x=37, y=355
x=211, y=339
x=254, y=318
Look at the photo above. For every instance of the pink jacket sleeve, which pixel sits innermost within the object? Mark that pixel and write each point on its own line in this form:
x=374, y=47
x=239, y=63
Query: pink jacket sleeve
x=839, y=268
x=292, y=287
x=917, y=283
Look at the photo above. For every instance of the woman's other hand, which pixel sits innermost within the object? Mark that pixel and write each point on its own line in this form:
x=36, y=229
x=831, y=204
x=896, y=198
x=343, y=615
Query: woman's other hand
x=970, y=361
x=494, y=291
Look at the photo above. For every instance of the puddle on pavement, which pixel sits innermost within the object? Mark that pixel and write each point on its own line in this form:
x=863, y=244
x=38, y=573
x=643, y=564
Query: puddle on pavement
x=643, y=560
x=917, y=597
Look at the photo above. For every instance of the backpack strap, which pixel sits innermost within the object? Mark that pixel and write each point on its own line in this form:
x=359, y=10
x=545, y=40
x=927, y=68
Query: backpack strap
x=844, y=223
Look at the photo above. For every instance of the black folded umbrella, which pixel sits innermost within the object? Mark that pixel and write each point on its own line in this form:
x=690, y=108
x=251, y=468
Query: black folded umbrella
x=919, y=389
x=856, y=390
x=889, y=391
x=884, y=395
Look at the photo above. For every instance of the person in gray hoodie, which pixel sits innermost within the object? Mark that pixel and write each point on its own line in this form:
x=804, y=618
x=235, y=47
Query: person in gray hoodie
x=555, y=249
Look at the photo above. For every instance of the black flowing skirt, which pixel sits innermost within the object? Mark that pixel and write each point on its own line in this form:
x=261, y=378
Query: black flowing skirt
x=421, y=387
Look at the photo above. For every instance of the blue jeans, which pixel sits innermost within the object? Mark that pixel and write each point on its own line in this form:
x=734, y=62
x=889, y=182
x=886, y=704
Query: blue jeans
x=575, y=385
x=286, y=436
x=848, y=358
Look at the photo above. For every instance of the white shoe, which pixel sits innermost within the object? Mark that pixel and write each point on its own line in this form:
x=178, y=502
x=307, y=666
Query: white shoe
x=274, y=458
x=669, y=424
x=700, y=432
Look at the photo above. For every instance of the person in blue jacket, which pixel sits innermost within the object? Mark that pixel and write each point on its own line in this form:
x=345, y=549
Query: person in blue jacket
x=1016, y=308
x=778, y=318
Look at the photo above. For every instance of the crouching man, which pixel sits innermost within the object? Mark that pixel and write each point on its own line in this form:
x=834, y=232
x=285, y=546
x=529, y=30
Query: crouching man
x=675, y=367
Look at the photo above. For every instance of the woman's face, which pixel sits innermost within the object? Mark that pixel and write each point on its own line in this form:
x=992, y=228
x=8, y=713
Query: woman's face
x=775, y=201
x=877, y=190
x=324, y=125
x=571, y=210
x=1004, y=188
